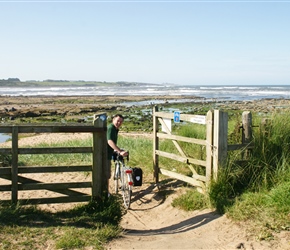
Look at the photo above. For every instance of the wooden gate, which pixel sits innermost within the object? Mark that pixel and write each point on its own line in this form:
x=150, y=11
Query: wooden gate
x=215, y=144
x=67, y=190
x=212, y=144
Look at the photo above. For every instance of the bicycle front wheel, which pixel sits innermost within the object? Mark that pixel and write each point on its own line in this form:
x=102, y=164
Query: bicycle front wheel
x=126, y=190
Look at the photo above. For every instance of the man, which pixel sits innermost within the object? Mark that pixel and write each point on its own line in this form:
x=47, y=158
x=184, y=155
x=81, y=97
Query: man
x=112, y=138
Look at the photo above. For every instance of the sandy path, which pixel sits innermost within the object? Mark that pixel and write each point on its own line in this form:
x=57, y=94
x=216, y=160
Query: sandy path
x=152, y=223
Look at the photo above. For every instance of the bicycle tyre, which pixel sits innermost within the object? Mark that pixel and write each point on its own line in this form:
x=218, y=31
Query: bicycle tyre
x=126, y=190
x=117, y=177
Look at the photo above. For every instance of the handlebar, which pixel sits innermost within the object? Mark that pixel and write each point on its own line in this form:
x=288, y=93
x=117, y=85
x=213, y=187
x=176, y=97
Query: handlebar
x=118, y=156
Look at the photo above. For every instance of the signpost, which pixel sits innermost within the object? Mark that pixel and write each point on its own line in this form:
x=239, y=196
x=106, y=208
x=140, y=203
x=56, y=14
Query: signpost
x=176, y=116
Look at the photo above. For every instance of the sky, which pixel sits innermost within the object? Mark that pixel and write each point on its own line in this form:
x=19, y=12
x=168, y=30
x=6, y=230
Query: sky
x=180, y=42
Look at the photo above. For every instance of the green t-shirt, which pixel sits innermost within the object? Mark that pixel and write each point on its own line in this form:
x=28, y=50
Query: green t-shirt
x=112, y=134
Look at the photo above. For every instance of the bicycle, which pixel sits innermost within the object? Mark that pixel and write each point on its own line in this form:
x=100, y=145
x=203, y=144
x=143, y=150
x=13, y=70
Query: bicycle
x=123, y=178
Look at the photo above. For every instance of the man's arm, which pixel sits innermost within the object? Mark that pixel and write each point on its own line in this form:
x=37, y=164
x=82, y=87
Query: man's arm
x=116, y=148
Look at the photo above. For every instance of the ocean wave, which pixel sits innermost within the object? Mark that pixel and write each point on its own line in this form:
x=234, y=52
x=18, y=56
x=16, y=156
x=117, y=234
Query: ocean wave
x=235, y=92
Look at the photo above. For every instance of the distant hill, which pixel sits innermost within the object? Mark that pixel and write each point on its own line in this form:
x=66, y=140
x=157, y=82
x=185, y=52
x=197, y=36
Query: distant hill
x=10, y=82
x=15, y=82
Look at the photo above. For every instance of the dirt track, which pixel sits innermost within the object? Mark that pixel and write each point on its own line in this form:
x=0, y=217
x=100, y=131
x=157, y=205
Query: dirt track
x=152, y=223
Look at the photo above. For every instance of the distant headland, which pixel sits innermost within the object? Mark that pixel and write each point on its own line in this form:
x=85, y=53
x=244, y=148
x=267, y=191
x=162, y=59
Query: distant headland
x=16, y=82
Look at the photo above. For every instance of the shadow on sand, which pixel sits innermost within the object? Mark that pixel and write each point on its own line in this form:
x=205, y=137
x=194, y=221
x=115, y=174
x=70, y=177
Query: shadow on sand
x=159, y=194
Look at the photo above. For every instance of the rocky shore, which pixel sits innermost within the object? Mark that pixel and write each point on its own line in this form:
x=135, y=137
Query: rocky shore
x=24, y=107
x=74, y=108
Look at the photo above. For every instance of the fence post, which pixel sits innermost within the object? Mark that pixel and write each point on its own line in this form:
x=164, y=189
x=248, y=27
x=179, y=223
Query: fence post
x=14, y=165
x=220, y=140
x=247, y=131
x=99, y=182
x=209, y=145
x=155, y=145
x=264, y=126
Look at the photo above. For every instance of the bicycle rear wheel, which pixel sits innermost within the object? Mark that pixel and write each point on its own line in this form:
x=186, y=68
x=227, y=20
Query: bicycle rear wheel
x=126, y=190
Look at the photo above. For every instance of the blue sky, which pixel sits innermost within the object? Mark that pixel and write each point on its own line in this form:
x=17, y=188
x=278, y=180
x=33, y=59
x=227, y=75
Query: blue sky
x=180, y=42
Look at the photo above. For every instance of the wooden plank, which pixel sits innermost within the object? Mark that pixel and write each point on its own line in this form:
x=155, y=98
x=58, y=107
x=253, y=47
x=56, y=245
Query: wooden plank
x=199, y=177
x=57, y=150
x=155, y=145
x=184, y=178
x=52, y=128
x=14, y=164
x=209, y=145
x=196, y=162
x=6, y=151
x=5, y=188
x=7, y=177
x=54, y=169
x=46, y=169
x=247, y=136
x=25, y=180
x=247, y=133
x=184, y=117
x=54, y=186
x=60, y=129
x=181, y=138
x=104, y=153
x=172, y=156
x=163, y=114
x=6, y=129
x=5, y=171
x=99, y=158
x=220, y=140
x=64, y=199
x=182, y=159
x=36, y=185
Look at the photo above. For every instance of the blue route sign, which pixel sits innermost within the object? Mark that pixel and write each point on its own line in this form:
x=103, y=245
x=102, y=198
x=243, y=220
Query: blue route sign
x=176, y=116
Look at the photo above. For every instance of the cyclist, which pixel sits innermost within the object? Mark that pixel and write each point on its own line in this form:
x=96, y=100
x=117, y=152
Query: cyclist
x=112, y=138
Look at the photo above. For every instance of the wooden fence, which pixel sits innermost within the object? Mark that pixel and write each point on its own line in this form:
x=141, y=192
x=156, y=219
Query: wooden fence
x=215, y=143
x=14, y=173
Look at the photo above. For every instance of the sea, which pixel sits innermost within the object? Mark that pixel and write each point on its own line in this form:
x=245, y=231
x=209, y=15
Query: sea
x=208, y=92
x=220, y=92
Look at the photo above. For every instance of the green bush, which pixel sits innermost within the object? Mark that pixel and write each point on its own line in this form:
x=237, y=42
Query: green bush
x=258, y=190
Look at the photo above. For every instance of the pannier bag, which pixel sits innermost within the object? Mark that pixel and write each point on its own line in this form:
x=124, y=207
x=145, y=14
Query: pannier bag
x=137, y=176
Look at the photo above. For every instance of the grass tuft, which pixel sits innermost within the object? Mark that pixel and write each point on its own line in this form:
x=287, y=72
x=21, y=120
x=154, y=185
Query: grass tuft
x=191, y=200
x=89, y=225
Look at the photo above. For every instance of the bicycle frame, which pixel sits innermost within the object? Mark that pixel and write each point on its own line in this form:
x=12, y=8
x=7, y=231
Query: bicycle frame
x=123, y=180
